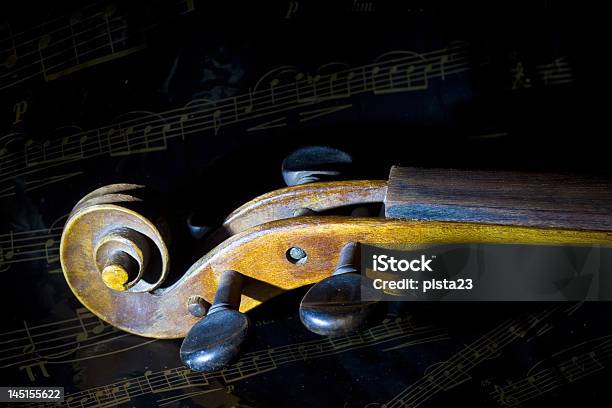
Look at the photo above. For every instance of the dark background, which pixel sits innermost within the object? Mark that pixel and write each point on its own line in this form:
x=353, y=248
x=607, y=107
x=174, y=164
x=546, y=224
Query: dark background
x=553, y=117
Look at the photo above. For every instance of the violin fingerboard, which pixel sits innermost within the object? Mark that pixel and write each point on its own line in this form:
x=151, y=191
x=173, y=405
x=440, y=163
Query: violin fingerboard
x=495, y=197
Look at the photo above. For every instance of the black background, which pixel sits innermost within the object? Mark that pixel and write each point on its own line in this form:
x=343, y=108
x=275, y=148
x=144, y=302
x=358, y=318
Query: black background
x=473, y=119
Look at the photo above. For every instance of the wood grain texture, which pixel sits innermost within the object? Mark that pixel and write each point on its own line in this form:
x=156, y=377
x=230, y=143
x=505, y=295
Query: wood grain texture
x=319, y=196
x=525, y=199
x=259, y=253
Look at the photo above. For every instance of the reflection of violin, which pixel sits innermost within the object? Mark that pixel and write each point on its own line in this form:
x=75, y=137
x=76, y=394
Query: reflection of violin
x=281, y=241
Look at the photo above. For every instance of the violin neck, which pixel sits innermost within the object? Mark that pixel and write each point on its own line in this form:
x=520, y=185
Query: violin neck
x=494, y=197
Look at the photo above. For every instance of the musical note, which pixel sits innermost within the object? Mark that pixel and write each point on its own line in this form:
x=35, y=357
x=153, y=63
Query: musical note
x=147, y=374
x=502, y=398
x=28, y=145
x=182, y=120
x=45, y=145
x=51, y=257
x=31, y=346
x=235, y=109
x=517, y=332
x=217, y=121
x=435, y=380
x=373, y=75
x=8, y=254
x=119, y=146
x=39, y=244
x=414, y=81
x=75, y=18
x=43, y=43
x=557, y=72
x=443, y=61
x=249, y=107
x=541, y=380
x=532, y=382
x=251, y=364
x=82, y=313
x=408, y=73
x=346, y=83
x=273, y=84
x=82, y=140
x=520, y=78
x=332, y=79
x=313, y=81
x=11, y=58
x=74, y=42
x=63, y=144
x=110, y=10
x=30, y=372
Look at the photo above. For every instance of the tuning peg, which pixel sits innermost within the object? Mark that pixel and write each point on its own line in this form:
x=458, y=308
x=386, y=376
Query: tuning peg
x=215, y=341
x=314, y=163
x=197, y=228
x=333, y=306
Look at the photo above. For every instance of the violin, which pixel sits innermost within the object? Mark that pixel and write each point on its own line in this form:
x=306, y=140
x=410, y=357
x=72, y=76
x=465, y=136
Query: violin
x=116, y=260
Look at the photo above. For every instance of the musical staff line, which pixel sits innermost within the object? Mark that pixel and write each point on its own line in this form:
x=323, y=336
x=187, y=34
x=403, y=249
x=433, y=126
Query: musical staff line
x=50, y=343
x=31, y=185
x=138, y=136
x=454, y=371
x=69, y=43
x=31, y=246
x=554, y=73
x=540, y=381
x=249, y=365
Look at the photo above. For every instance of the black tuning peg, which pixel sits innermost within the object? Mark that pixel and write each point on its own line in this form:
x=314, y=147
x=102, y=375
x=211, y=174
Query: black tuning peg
x=215, y=341
x=333, y=306
x=314, y=163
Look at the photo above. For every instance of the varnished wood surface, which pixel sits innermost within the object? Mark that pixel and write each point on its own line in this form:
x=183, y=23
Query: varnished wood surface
x=259, y=253
x=320, y=196
x=497, y=197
